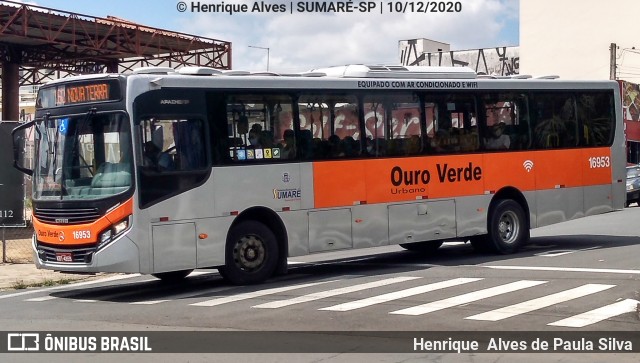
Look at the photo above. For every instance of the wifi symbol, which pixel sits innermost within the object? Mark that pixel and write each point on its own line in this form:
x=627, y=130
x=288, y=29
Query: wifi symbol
x=528, y=164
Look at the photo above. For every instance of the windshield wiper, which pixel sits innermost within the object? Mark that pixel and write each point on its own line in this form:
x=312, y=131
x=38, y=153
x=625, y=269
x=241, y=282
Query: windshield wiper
x=55, y=162
x=87, y=117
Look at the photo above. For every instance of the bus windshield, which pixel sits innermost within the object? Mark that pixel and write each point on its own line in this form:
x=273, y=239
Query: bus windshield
x=86, y=156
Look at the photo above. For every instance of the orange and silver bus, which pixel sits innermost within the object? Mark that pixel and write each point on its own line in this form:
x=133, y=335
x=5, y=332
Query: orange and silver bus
x=162, y=171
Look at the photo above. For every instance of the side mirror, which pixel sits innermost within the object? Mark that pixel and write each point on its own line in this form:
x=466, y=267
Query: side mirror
x=20, y=161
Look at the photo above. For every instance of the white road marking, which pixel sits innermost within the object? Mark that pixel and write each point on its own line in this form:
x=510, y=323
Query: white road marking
x=598, y=315
x=540, y=303
x=42, y=298
x=259, y=293
x=467, y=298
x=183, y=296
x=380, y=299
x=149, y=302
x=334, y=292
x=556, y=253
x=565, y=269
x=198, y=273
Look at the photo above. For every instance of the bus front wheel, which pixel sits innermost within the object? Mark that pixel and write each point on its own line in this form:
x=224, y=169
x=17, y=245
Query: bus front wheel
x=508, y=227
x=251, y=254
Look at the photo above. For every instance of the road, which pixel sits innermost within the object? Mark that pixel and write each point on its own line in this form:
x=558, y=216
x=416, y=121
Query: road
x=580, y=276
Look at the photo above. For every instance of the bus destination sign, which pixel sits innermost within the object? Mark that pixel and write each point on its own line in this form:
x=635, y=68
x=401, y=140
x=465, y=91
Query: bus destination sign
x=83, y=93
x=78, y=93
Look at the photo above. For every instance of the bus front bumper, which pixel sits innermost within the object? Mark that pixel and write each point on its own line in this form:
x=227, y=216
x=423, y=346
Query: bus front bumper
x=121, y=255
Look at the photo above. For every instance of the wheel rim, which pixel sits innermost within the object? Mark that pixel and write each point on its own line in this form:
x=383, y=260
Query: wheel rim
x=249, y=253
x=508, y=227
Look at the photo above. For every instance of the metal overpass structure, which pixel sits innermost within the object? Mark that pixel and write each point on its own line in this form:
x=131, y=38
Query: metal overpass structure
x=39, y=44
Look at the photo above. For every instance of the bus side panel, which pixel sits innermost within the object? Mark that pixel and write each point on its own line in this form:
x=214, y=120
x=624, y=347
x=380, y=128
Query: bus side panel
x=339, y=183
x=423, y=221
x=297, y=225
x=559, y=183
x=174, y=246
x=210, y=250
x=598, y=165
x=370, y=225
x=275, y=186
x=598, y=199
x=330, y=230
x=559, y=205
x=471, y=215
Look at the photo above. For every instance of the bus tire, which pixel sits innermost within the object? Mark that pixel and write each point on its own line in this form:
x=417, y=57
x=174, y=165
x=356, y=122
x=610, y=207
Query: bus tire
x=251, y=254
x=172, y=276
x=422, y=247
x=508, y=227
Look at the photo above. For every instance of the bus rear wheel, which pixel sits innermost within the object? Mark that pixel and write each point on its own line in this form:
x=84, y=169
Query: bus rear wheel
x=508, y=227
x=251, y=254
x=422, y=247
x=172, y=276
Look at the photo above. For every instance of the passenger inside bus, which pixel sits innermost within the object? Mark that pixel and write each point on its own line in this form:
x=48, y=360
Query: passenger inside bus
x=156, y=159
x=288, y=145
x=255, y=137
x=497, y=139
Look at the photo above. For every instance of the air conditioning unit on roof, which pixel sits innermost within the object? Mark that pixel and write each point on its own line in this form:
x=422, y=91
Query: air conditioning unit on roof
x=397, y=71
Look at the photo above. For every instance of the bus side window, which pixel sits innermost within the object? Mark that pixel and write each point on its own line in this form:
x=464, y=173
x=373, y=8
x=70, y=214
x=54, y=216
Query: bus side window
x=329, y=127
x=595, y=115
x=556, y=125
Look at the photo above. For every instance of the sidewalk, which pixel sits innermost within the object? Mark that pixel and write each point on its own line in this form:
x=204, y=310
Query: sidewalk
x=18, y=275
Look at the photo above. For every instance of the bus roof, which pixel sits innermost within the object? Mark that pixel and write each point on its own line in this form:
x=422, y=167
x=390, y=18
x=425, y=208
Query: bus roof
x=203, y=76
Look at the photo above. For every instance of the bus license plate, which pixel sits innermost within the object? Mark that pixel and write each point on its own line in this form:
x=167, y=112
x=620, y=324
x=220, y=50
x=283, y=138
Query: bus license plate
x=64, y=257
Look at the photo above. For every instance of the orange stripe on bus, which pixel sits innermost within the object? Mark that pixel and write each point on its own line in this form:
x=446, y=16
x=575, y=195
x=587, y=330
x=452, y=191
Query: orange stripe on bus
x=63, y=235
x=341, y=183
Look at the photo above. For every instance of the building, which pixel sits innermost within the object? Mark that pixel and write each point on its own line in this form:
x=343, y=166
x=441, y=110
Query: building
x=574, y=41
x=499, y=61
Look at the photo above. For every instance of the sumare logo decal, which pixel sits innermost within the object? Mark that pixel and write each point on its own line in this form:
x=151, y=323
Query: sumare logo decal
x=287, y=194
x=528, y=165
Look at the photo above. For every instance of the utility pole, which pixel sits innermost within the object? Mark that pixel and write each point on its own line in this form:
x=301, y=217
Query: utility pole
x=612, y=61
x=264, y=48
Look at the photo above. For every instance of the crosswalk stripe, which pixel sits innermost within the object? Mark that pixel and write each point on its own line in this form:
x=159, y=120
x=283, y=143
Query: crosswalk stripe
x=539, y=303
x=183, y=296
x=148, y=302
x=380, y=299
x=467, y=298
x=598, y=315
x=42, y=298
x=259, y=293
x=334, y=292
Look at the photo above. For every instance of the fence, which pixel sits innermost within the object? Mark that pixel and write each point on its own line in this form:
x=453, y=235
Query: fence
x=16, y=244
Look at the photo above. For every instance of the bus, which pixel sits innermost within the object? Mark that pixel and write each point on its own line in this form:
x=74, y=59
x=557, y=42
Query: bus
x=163, y=171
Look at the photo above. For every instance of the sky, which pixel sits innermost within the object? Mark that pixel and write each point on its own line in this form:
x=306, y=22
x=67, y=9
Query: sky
x=300, y=41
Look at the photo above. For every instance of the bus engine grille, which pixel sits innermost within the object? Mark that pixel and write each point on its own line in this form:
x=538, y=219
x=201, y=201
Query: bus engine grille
x=67, y=216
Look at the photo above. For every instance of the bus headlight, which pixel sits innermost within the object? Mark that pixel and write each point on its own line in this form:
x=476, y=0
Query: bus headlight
x=114, y=231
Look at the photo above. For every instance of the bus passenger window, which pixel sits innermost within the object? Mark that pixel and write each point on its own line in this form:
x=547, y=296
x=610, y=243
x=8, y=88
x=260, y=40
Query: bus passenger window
x=329, y=127
x=259, y=128
x=174, y=157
